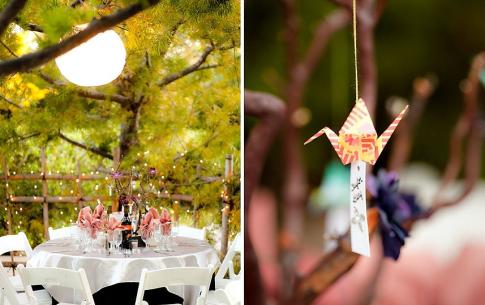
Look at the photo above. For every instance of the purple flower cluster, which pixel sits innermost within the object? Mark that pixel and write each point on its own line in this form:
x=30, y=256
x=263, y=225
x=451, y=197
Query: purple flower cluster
x=394, y=209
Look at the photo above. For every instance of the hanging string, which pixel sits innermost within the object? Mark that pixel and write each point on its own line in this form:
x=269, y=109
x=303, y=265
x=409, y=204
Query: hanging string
x=354, y=23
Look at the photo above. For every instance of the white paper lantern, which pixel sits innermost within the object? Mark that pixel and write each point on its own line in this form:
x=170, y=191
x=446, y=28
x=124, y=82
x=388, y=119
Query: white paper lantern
x=96, y=62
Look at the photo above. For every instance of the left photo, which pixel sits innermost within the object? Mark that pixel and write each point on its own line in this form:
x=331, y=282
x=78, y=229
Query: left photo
x=120, y=152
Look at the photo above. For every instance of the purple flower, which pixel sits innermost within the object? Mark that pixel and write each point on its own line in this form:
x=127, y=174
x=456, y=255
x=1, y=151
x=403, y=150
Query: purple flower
x=152, y=172
x=394, y=209
x=116, y=175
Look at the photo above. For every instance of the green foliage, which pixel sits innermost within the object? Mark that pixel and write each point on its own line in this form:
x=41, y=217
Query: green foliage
x=185, y=128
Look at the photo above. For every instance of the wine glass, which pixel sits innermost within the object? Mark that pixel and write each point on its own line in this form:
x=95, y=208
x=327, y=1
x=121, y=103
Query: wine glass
x=111, y=241
x=117, y=239
x=167, y=236
x=157, y=235
x=174, y=232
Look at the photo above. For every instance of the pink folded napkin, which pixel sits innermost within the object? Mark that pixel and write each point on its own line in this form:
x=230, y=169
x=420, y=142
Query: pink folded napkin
x=166, y=222
x=92, y=221
x=148, y=223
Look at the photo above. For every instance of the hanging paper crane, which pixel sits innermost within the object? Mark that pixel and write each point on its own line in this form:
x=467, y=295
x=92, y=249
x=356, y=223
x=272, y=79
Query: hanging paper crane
x=357, y=143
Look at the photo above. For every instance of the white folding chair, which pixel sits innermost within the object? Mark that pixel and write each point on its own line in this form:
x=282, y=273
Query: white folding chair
x=227, y=265
x=181, y=276
x=56, y=277
x=17, y=242
x=8, y=295
x=10, y=243
x=185, y=231
x=62, y=232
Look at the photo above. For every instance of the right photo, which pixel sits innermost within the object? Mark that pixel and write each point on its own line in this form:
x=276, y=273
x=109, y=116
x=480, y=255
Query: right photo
x=363, y=167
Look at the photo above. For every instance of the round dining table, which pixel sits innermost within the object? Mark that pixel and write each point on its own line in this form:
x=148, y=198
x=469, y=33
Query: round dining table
x=105, y=270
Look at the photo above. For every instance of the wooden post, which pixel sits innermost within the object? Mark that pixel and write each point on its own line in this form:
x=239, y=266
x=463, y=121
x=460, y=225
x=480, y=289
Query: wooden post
x=226, y=200
x=116, y=163
x=45, y=191
x=176, y=208
x=7, y=198
x=79, y=186
x=195, y=217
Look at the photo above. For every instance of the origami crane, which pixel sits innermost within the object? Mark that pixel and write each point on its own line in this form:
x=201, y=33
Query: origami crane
x=357, y=144
x=357, y=139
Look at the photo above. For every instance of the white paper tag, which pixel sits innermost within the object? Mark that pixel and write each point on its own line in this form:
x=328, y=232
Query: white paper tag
x=359, y=232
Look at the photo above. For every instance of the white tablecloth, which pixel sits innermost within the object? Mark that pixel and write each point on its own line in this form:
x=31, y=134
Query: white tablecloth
x=103, y=270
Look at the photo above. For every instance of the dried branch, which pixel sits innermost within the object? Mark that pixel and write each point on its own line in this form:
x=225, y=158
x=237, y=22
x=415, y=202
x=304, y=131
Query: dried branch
x=95, y=150
x=89, y=93
x=271, y=112
x=35, y=59
x=9, y=12
x=192, y=68
x=469, y=124
x=295, y=185
x=331, y=24
x=423, y=87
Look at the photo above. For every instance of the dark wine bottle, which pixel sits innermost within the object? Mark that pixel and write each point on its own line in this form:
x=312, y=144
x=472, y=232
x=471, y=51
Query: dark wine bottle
x=127, y=229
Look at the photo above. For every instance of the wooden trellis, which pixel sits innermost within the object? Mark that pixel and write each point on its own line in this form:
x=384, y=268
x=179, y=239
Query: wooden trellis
x=79, y=198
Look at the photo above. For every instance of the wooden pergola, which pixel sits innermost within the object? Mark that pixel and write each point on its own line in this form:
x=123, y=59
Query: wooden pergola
x=80, y=199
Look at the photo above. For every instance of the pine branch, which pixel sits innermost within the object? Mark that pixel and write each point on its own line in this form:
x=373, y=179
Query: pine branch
x=188, y=70
x=89, y=93
x=35, y=59
x=9, y=13
x=10, y=102
x=94, y=150
x=8, y=49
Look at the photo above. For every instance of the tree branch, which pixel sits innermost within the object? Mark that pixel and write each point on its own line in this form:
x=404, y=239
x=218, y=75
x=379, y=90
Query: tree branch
x=331, y=24
x=89, y=93
x=271, y=112
x=192, y=68
x=469, y=124
x=423, y=87
x=9, y=12
x=95, y=150
x=35, y=59
x=331, y=267
x=10, y=102
x=8, y=49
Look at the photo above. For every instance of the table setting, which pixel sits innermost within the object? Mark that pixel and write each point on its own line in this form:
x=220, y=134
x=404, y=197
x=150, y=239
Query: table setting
x=114, y=255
